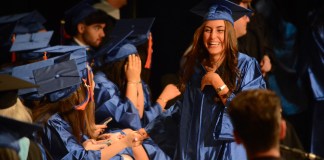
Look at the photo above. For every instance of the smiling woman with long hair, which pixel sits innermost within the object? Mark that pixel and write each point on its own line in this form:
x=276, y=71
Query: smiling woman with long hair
x=212, y=74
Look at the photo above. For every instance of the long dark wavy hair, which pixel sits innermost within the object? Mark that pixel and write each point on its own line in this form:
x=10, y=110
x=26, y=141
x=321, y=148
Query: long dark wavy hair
x=228, y=70
x=115, y=72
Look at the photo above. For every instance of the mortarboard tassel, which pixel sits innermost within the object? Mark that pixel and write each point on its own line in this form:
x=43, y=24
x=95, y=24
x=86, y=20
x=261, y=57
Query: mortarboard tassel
x=89, y=92
x=45, y=56
x=90, y=81
x=13, y=57
x=149, y=52
x=13, y=54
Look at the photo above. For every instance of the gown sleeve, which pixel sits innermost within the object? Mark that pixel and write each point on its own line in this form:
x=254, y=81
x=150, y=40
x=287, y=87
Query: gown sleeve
x=164, y=129
x=62, y=144
x=251, y=78
x=110, y=104
x=151, y=111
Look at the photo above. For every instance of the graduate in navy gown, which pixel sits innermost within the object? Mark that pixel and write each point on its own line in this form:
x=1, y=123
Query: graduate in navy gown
x=64, y=106
x=120, y=93
x=197, y=126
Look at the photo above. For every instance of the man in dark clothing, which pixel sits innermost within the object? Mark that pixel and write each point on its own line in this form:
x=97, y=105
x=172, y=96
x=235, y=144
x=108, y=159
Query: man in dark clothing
x=258, y=124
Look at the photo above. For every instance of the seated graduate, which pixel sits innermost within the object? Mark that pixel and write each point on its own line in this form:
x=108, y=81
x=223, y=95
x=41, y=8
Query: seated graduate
x=24, y=39
x=86, y=26
x=16, y=129
x=17, y=24
x=141, y=37
x=65, y=108
x=120, y=91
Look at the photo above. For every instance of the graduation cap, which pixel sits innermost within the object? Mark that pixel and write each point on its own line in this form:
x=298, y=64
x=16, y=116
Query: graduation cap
x=220, y=10
x=12, y=130
x=9, y=87
x=11, y=25
x=28, y=22
x=31, y=41
x=57, y=77
x=59, y=50
x=76, y=53
x=141, y=27
x=121, y=52
x=25, y=72
x=113, y=42
x=76, y=14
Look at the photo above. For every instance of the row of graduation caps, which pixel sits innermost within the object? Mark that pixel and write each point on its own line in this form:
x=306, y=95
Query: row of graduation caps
x=24, y=33
x=67, y=61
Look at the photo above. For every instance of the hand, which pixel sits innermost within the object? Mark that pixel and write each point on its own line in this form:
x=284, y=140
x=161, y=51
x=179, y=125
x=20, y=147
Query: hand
x=91, y=144
x=132, y=138
x=169, y=92
x=133, y=68
x=143, y=133
x=265, y=65
x=111, y=136
x=100, y=128
x=211, y=78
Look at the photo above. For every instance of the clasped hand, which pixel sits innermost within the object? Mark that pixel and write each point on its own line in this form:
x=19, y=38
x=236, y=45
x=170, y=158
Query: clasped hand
x=130, y=139
x=211, y=78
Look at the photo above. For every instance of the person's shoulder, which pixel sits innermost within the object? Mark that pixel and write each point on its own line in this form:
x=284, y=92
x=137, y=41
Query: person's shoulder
x=56, y=120
x=104, y=84
x=245, y=58
x=100, y=77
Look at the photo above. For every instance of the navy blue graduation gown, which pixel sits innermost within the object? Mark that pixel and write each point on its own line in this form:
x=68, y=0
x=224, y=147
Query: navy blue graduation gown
x=125, y=115
x=58, y=139
x=109, y=103
x=196, y=127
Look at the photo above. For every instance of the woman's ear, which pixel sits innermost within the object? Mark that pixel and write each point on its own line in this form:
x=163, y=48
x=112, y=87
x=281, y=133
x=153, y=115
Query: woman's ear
x=283, y=128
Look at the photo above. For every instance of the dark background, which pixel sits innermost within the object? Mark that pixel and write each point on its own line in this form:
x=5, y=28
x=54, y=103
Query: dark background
x=172, y=32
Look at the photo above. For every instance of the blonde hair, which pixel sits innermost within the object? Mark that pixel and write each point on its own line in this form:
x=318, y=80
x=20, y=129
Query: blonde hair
x=18, y=112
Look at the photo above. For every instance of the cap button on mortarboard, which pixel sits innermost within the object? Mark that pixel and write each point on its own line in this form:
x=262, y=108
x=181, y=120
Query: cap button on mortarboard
x=57, y=76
